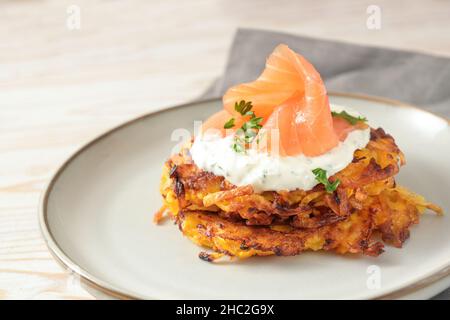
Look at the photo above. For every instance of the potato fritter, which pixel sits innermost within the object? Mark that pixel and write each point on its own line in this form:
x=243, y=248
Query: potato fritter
x=236, y=221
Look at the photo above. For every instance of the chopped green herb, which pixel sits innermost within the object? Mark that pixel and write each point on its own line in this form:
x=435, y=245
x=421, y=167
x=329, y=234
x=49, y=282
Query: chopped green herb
x=229, y=124
x=243, y=107
x=249, y=130
x=253, y=123
x=321, y=176
x=351, y=119
x=238, y=146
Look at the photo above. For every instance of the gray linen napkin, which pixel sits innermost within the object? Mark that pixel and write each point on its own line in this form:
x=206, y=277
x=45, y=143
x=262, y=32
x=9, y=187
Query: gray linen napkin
x=416, y=78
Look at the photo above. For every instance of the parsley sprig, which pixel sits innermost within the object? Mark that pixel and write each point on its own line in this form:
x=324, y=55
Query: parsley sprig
x=249, y=130
x=348, y=117
x=321, y=176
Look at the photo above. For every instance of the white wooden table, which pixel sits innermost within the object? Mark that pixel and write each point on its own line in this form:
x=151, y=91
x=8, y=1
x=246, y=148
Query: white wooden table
x=61, y=87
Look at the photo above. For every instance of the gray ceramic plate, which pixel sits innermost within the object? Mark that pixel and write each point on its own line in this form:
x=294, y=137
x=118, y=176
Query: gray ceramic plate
x=97, y=219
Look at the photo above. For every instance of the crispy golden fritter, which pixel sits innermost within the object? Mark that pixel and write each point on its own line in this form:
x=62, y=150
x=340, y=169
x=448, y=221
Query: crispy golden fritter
x=371, y=170
x=239, y=222
x=238, y=239
x=388, y=217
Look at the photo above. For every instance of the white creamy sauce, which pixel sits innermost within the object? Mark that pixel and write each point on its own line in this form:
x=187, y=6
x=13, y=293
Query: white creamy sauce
x=269, y=172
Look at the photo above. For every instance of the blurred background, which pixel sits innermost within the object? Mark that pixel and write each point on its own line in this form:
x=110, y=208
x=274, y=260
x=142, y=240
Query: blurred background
x=71, y=69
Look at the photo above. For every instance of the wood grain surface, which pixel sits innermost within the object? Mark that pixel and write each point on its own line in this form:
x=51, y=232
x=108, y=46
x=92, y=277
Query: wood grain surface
x=60, y=87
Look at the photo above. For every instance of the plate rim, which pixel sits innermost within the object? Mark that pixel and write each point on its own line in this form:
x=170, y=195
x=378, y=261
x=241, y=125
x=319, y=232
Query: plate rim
x=68, y=264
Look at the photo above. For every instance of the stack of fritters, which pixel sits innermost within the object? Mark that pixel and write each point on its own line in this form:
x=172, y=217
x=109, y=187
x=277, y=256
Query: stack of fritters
x=366, y=209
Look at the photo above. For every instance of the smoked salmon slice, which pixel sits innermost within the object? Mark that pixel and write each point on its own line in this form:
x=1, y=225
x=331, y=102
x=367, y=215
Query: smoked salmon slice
x=285, y=73
x=291, y=98
x=301, y=128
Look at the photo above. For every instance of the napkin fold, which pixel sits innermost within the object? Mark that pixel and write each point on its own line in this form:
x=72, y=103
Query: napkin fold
x=416, y=78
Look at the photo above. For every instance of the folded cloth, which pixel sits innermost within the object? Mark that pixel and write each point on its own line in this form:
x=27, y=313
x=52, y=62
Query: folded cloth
x=416, y=78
